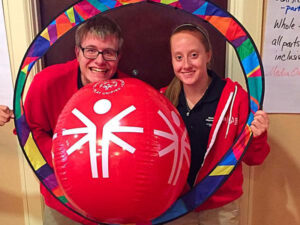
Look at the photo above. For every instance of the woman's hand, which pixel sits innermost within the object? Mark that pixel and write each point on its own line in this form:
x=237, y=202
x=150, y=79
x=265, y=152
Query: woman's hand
x=260, y=123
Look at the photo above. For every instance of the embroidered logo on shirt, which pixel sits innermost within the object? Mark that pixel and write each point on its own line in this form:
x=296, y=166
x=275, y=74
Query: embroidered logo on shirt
x=209, y=121
x=233, y=120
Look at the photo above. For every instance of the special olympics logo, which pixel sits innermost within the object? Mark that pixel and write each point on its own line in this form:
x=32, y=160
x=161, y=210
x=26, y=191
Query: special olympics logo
x=178, y=145
x=108, y=87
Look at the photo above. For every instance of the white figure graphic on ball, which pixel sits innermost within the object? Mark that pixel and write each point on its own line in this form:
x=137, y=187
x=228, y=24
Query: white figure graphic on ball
x=179, y=153
x=113, y=125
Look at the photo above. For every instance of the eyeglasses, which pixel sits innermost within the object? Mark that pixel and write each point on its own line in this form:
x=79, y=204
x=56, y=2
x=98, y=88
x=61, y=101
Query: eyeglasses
x=107, y=54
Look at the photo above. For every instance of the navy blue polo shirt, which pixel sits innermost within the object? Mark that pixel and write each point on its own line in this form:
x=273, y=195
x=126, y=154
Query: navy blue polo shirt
x=199, y=120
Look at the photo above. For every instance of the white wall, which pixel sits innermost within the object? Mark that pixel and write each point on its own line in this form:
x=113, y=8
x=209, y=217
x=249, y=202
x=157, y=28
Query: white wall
x=272, y=190
x=6, y=85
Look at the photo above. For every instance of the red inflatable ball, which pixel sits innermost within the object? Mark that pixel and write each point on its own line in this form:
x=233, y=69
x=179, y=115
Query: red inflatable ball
x=120, y=152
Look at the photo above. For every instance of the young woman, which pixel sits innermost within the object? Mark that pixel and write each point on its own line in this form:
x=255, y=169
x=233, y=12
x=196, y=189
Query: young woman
x=214, y=111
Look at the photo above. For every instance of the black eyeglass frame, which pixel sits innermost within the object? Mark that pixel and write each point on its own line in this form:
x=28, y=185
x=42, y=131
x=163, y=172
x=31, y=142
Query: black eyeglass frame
x=100, y=52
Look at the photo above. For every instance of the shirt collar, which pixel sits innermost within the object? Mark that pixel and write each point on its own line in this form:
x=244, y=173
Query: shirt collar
x=79, y=82
x=212, y=93
x=215, y=88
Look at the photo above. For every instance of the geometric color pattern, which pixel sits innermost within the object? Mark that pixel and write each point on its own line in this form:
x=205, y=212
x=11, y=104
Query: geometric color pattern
x=225, y=23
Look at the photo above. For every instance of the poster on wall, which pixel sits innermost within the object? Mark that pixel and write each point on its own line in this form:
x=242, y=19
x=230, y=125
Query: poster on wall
x=281, y=56
x=6, y=85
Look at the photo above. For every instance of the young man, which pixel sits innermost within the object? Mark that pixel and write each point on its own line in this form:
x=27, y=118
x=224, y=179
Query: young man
x=98, y=47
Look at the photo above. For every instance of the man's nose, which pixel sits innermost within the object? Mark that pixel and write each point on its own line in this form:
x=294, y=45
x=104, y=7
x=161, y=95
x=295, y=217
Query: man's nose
x=100, y=59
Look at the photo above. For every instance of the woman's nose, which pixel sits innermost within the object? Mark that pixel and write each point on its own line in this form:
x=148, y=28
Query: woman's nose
x=186, y=63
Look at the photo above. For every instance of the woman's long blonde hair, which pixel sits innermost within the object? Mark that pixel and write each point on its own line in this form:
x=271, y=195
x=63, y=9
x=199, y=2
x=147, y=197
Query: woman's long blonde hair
x=174, y=88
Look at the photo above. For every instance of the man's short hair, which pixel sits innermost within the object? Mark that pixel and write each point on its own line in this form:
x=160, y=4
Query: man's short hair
x=99, y=26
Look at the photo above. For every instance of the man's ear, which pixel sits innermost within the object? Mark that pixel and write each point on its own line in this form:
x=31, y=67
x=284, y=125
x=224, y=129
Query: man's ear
x=119, y=55
x=77, y=50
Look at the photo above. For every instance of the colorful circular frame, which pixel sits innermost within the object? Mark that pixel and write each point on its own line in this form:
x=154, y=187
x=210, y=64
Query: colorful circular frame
x=83, y=10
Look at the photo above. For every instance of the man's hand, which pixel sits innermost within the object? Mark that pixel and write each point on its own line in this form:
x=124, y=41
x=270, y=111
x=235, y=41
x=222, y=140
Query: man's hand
x=5, y=114
x=260, y=123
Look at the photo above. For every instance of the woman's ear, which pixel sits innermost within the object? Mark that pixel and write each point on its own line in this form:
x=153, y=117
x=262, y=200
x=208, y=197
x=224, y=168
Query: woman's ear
x=209, y=59
x=209, y=56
